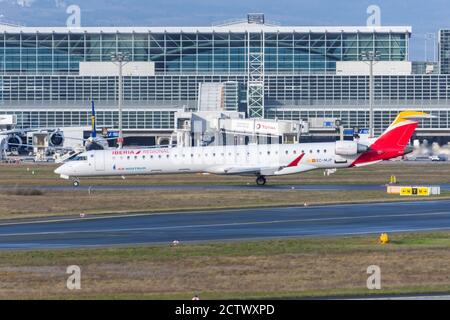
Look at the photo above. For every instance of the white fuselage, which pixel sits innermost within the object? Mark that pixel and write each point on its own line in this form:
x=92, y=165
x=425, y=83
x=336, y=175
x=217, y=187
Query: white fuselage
x=267, y=160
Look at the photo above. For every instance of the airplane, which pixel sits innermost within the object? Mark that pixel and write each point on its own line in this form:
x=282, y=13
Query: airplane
x=261, y=160
x=12, y=139
x=15, y=138
x=94, y=142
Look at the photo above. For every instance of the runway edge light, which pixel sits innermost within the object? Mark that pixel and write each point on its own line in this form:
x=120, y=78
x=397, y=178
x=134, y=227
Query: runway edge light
x=384, y=238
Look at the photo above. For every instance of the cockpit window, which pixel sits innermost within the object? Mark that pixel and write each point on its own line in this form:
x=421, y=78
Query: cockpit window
x=78, y=158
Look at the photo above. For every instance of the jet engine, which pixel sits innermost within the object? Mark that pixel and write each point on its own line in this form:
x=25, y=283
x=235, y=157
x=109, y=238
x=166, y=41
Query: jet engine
x=350, y=148
x=56, y=139
x=14, y=141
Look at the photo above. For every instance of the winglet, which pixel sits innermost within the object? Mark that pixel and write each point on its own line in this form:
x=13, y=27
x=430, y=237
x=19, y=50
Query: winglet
x=411, y=115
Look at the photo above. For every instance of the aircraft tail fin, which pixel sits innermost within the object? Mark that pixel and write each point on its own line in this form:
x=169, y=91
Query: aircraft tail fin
x=394, y=141
x=398, y=134
x=93, y=122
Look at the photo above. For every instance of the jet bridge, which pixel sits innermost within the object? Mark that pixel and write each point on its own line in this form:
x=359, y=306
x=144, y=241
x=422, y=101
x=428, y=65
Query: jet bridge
x=226, y=127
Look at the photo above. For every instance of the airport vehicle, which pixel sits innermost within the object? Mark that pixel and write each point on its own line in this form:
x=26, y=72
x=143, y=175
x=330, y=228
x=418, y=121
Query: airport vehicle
x=250, y=160
x=441, y=157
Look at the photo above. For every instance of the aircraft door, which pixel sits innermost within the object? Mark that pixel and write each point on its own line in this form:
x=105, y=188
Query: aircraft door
x=100, y=161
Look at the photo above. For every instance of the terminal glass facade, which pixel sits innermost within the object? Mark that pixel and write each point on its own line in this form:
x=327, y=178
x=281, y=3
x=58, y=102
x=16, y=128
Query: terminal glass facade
x=132, y=120
x=177, y=91
x=444, y=51
x=154, y=98
x=195, y=53
x=40, y=80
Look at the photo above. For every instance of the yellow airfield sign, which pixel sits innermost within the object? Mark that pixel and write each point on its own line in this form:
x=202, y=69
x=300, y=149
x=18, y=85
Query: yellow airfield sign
x=415, y=191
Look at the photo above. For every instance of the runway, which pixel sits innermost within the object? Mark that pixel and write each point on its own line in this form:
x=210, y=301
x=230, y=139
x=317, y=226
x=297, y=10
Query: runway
x=250, y=186
x=227, y=225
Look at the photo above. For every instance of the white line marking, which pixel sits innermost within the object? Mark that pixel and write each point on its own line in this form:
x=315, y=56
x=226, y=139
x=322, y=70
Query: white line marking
x=213, y=211
x=223, y=224
x=39, y=246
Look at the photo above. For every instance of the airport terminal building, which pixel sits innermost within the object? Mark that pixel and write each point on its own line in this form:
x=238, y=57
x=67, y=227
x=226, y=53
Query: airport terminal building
x=48, y=75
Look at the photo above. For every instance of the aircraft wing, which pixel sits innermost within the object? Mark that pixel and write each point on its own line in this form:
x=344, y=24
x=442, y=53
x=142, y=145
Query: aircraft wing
x=31, y=146
x=77, y=139
x=293, y=167
x=25, y=131
x=243, y=170
x=80, y=139
x=9, y=132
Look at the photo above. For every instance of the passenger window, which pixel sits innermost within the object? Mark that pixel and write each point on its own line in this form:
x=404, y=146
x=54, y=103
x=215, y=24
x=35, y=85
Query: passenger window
x=324, y=150
x=128, y=158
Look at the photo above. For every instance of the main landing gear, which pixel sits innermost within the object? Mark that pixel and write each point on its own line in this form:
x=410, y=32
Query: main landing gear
x=261, y=181
x=76, y=183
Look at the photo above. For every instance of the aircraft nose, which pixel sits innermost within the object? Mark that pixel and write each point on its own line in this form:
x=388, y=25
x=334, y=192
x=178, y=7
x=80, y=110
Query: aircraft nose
x=59, y=170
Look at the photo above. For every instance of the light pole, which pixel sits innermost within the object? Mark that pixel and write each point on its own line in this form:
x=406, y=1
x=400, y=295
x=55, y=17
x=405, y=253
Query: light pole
x=370, y=57
x=120, y=60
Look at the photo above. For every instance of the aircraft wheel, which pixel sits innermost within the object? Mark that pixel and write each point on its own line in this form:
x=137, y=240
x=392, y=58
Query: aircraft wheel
x=261, y=181
x=76, y=183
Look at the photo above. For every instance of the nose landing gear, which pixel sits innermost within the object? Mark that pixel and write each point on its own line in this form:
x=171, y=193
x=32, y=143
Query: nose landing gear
x=76, y=183
x=261, y=181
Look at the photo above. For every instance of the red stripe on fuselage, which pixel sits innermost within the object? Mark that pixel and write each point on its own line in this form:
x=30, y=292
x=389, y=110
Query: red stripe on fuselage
x=390, y=145
x=296, y=161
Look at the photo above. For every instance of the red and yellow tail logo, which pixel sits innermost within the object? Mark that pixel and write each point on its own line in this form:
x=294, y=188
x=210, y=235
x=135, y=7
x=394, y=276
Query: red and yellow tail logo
x=409, y=115
x=392, y=142
x=400, y=131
